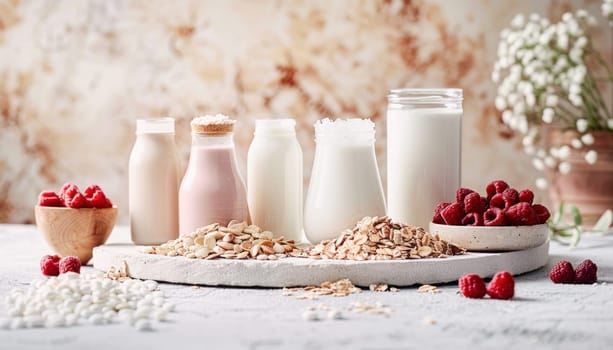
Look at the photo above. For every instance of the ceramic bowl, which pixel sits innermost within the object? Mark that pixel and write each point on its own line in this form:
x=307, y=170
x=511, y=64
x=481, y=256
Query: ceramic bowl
x=493, y=238
x=75, y=231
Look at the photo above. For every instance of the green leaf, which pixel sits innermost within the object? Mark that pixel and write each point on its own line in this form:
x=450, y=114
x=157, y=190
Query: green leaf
x=574, y=241
x=557, y=216
x=574, y=211
x=564, y=233
x=604, y=223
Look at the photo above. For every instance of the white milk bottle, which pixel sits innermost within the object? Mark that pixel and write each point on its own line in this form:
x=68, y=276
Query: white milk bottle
x=423, y=152
x=212, y=189
x=274, y=178
x=154, y=182
x=345, y=183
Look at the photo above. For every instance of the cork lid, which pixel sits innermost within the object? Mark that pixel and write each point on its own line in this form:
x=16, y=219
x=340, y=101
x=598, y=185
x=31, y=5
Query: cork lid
x=212, y=124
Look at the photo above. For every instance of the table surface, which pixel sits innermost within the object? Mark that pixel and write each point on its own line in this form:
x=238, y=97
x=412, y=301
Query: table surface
x=543, y=315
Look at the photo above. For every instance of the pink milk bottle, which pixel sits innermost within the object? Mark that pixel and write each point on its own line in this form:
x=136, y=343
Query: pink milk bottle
x=212, y=190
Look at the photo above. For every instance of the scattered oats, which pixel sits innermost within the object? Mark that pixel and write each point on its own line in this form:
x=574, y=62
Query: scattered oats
x=379, y=238
x=375, y=309
x=120, y=274
x=340, y=288
x=428, y=321
x=378, y=287
x=426, y=288
x=394, y=289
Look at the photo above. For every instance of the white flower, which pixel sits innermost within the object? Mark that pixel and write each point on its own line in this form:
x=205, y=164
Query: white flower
x=548, y=115
x=522, y=125
x=554, y=152
x=564, y=167
x=564, y=152
x=507, y=116
x=591, y=157
x=551, y=100
x=500, y=103
x=582, y=125
x=576, y=100
x=575, y=89
x=550, y=162
x=530, y=100
x=567, y=16
x=587, y=139
x=529, y=150
x=518, y=21
x=610, y=121
x=541, y=183
x=538, y=164
x=576, y=143
x=581, y=42
x=607, y=10
x=563, y=42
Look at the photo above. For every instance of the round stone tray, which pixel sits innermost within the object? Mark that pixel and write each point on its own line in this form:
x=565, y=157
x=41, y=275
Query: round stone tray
x=290, y=272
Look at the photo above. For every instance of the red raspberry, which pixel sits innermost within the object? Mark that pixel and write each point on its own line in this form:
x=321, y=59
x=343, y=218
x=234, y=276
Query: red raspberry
x=49, y=265
x=70, y=264
x=497, y=201
x=521, y=214
x=494, y=217
x=494, y=187
x=99, y=200
x=438, y=219
x=473, y=219
x=485, y=203
x=502, y=286
x=473, y=204
x=68, y=191
x=90, y=190
x=77, y=201
x=511, y=197
x=461, y=193
x=50, y=199
x=453, y=214
x=526, y=196
x=542, y=213
x=562, y=272
x=472, y=286
x=586, y=272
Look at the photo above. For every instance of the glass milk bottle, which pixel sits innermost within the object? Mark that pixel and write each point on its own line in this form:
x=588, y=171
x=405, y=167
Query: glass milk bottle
x=154, y=182
x=212, y=190
x=423, y=152
x=345, y=184
x=274, y=178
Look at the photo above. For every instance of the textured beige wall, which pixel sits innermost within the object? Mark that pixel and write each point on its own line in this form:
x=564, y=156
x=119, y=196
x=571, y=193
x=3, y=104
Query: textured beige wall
x=74, y=76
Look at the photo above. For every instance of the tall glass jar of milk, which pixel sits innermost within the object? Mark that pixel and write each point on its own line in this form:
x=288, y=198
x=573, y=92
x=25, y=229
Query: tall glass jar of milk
x=212, y=190
x=345, y=184
x=423, y=151
x=153, y=182
x=274, y=178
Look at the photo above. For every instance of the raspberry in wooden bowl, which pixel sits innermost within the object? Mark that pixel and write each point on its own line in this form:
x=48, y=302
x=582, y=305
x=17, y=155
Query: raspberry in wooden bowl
x=73, y=223
x=501, y=220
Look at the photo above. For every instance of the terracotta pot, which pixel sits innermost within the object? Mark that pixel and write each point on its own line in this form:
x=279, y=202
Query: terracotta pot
x=589, y=187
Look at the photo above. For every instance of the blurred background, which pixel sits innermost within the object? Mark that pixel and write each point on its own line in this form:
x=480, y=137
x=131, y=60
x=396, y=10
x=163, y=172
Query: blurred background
x=75, y=75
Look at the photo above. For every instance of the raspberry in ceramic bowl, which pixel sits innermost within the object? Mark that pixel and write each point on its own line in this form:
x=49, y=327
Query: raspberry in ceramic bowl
x=502, y=219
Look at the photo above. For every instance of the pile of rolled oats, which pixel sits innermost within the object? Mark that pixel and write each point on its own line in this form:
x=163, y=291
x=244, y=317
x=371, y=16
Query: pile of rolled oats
x=235, y=241
x=378, y=238
x=340, y=288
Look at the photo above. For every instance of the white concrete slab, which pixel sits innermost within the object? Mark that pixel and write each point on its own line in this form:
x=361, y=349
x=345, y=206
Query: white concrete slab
x=301, y=271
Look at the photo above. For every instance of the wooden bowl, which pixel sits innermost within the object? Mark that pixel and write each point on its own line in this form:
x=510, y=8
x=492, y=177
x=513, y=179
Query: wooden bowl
x=493, y=238
x=75, y=231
